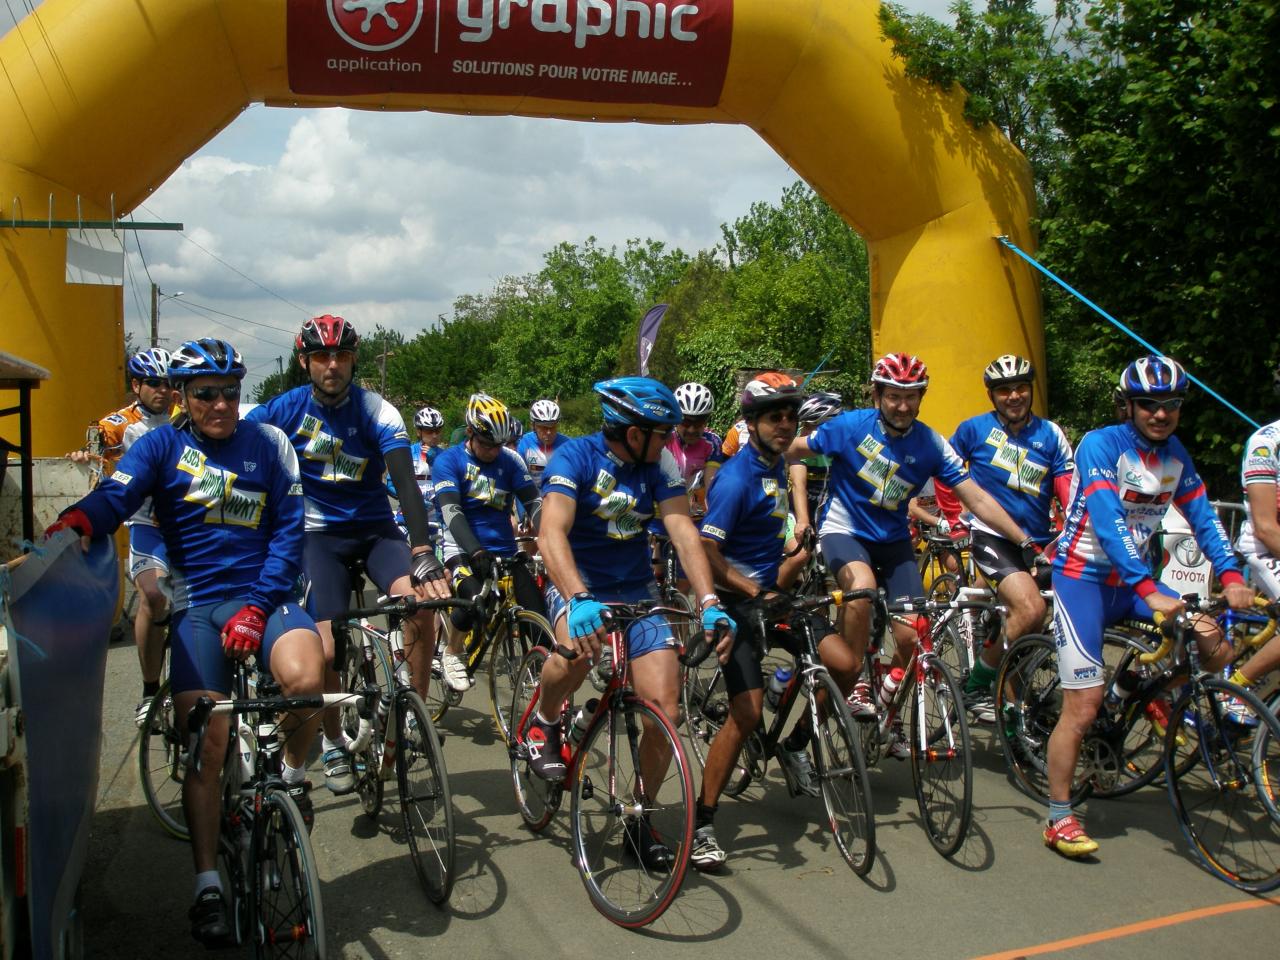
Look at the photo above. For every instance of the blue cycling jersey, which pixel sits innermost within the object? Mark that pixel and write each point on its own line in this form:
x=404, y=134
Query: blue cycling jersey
x=487, y=491
x=614, y=500
x=1122, y=488
x=874, y=474
x=1018, y=470
x=230, y=511
x=340, y=452
x=536, y=455
x=747, y=514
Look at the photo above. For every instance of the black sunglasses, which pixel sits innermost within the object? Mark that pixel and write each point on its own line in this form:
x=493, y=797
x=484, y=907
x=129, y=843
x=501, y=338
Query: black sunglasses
x=1151, y=406
x=154, y=382
x=209, y=394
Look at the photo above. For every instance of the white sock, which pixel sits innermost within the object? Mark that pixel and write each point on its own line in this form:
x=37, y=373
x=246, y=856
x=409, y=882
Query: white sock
x=293, y=775
x=208, y=878
x=340, y=744
x=543, y=720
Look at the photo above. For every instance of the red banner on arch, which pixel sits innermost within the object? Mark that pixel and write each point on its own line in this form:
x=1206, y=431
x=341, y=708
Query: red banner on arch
x=610, y=51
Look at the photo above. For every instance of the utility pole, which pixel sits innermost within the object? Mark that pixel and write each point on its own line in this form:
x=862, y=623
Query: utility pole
x=280, y=365
x=155, y=315
x=383, y=363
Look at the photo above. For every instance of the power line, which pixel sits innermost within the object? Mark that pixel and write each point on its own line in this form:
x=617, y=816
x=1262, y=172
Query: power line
x=232, y=316
x=190, y=307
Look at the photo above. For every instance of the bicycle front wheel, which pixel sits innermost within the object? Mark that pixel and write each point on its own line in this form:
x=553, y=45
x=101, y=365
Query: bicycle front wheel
x=426, y=804
x=537, y=799
x=505, y=653
x=941, y=757
x=842, y=774
x=1226, y=802
x=286, y=885
x=162, y=764
x=357, y=675
x=632, y=810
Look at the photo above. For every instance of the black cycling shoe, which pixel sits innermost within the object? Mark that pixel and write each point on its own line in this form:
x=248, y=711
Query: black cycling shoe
x=301, y=794
x=640, y=843
x=208, y=917
x=542, y=740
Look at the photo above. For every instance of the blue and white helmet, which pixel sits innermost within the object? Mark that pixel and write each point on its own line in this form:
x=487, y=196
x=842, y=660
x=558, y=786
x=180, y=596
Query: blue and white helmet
x=149, y=364
x=1153, y=375
x=544, y=411
x=207, y=357
x=637, y=402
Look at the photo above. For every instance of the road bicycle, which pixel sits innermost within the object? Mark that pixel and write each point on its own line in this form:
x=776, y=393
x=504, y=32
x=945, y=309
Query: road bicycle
x=613, y=793
x=836, y=747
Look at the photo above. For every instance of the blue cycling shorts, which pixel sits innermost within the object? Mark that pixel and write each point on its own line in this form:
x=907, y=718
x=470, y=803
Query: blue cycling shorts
x=1082, y=610
x=643, y=636
x=325, y=555
x=196, y=660
x=894, y=564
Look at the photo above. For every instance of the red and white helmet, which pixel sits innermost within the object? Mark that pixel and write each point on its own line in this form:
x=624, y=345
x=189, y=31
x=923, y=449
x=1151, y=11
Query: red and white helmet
x=327, y=333
x=905, y=371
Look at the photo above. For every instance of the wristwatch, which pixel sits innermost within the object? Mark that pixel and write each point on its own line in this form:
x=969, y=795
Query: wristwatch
x=710, y=600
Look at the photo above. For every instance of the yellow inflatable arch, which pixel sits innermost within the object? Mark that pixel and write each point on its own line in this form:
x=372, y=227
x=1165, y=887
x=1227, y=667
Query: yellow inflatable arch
x=105, y=98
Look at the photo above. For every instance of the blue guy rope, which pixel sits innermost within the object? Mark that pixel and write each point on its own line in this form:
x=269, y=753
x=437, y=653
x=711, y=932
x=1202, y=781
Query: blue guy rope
x=814, y=372
x=1097, y=309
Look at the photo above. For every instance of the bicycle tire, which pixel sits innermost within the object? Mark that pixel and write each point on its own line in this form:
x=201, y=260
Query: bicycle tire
x=537, y=799
x=606, y=783
x=366, y=766
x=1220, y=801
x=842, y=775
x=1140, y=740
x=505, y=654
x=941, y=757
x=162, y=764
x=440, y=696
x=1028, y=703
x=426, y=804
x=288, y=913
x=952, y=646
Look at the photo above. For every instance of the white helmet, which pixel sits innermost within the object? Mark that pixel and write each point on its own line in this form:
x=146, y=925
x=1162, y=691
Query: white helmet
x=544, y=411
x=695, y=400
x=428, y=418
x=821, y=407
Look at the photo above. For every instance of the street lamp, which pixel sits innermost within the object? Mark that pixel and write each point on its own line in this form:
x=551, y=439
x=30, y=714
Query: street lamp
x=156, y=296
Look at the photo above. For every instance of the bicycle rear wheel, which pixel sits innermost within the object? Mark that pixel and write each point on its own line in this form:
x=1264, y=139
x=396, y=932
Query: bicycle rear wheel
x=357, y=674
x=426, y=804
x=1136, y=749
x=614, y=801
x=505, y=653
x=162, y=764
x=286, y=885
x=1226, y=802
x=842, y=774
x=537, y=799
x=440, y=696
x=941, y=757
x=1028, y=704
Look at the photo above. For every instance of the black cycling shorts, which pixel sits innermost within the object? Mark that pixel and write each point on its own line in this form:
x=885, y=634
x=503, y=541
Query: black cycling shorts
x=995, y=556
x=743, y=671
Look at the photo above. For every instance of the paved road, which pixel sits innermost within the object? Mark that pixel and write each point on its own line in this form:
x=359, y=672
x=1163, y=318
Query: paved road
x=785, y=893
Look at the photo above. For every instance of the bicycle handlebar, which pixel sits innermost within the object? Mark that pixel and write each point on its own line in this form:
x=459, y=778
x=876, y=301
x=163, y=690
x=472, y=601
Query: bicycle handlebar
x=405, y=607
x=1173, y=628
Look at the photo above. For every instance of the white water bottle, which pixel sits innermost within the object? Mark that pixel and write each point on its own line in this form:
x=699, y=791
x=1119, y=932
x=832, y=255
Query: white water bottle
x=582, y=720
x=777, y=684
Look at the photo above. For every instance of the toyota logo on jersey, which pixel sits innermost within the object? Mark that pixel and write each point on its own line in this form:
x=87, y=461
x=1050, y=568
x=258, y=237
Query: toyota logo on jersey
x=375, y=25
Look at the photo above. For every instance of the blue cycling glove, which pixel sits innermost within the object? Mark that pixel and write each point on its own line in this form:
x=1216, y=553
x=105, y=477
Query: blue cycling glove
x=586, y=616
x=713, y=615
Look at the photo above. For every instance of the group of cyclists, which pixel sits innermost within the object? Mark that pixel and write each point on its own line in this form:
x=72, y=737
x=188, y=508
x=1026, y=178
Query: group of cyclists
x=229, y=515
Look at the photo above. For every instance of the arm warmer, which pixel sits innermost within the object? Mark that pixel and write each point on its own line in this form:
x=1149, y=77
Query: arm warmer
x=400, y=469
x=455, y=521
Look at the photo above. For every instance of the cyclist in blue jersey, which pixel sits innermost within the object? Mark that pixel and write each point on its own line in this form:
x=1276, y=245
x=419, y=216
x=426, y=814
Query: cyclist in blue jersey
x=423, y=452
x=476, y=485
x=599, y=493
x=346, y=437
x=880, y=458
x=1024, y=462
x=537, y=446
x=743, y=534
x=1127, y=476
x=228, y=502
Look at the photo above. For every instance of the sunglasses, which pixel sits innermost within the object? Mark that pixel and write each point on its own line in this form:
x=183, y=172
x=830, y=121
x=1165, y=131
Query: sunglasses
x=1151, y=406
x=209, y=394
x=777, y=416
x=328, y=356
x=154, y=382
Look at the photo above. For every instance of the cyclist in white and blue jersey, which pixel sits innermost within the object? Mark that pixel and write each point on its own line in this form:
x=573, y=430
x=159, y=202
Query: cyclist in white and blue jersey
x=537, y=446
x=346, y=437
x=599, y=492
x=1127, y=476
x=228, y=501
x=1023, y=461
x=880, y=458
x=423, y=453
x=476, y=484
x=744, y=534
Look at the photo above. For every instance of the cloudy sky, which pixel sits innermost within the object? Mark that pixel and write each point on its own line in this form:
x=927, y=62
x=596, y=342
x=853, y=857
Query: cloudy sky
x=388, y=218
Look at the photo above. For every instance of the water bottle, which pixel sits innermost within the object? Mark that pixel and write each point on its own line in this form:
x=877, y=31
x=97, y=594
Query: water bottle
x=582, y=720
x=247, y=748
x=383, y=708
x=777, y=683
x=892, y=680
x=1122, y=685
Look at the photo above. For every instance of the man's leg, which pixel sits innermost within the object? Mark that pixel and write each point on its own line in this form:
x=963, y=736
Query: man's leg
x=149, y=636
x=202, y=805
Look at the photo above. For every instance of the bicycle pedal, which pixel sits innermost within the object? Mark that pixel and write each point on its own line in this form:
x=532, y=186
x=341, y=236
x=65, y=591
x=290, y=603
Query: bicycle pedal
x=587, y=790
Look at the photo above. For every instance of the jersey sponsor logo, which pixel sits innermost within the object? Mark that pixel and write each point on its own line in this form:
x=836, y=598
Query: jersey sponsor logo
x=1024, y=475
x=617, y=508
x=779, y=494
x=212, y=486
x=716, y=532
x=561, y=481
x=1260, y=452
x=888, y=491
x=485, y=489
x=1138, y=496
x=324, y=448
x=295, y=489
x=250, y=466
x=121, y=477
x=114, y=418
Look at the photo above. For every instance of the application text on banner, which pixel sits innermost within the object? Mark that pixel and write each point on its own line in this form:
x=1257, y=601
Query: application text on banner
x=608, y=51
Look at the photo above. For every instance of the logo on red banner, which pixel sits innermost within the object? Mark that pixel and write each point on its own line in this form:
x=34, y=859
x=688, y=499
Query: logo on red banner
x=606, y=51
x=375, y=25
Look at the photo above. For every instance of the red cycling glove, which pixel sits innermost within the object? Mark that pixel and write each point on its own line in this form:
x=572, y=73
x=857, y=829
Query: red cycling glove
x=243, y=632
x=72, y=519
